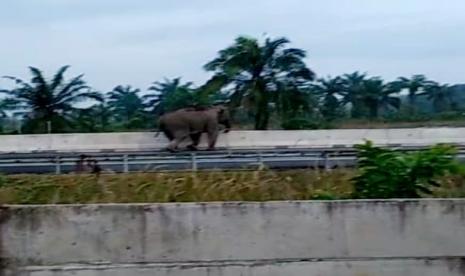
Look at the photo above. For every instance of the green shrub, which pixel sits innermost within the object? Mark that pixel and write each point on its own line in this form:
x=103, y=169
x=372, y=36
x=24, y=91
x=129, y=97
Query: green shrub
x=303, y=123
x=385, y=173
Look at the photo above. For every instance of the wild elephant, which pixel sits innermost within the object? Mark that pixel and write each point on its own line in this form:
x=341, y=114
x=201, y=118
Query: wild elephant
x=191, y=123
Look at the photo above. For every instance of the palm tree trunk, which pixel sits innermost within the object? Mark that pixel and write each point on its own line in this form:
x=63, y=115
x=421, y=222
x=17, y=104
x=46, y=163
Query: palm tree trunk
x=263, y=113
x=357, y=110
x=262, y=117
x=439, y=105
x=373, y=110
x=412, y=98
x=261, y=122
x=258, y=119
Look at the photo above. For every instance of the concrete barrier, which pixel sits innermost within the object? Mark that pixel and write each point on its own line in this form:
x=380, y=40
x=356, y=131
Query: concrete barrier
x=234, y=139
x=338, y=238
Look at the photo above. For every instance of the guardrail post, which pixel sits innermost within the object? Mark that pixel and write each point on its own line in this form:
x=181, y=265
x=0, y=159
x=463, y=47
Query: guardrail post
x=194, y=161
x=57, y=165
x=260, y=158
x=326, y=161
x=125, y=163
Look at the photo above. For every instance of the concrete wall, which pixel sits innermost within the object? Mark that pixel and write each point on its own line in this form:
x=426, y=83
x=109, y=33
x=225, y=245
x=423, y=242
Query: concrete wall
x=234, y=139
x=345, y=238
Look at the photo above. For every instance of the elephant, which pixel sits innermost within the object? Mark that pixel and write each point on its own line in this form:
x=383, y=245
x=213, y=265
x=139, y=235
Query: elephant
x=192, y=122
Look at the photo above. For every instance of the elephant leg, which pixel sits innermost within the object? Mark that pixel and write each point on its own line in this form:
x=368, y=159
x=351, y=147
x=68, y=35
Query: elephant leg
x=195, y=137
x=173, y=146
x=212, y=136
x=168, y=135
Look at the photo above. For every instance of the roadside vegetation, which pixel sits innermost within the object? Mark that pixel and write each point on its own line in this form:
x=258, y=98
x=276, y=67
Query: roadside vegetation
x=381, y=173
x=266, y=84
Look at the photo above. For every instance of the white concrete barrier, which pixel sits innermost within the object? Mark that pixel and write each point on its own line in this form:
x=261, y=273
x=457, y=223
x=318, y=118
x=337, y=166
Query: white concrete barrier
x=234, y=139
x=337, y=238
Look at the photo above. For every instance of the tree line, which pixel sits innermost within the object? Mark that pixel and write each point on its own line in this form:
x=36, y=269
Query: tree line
x=266, y=84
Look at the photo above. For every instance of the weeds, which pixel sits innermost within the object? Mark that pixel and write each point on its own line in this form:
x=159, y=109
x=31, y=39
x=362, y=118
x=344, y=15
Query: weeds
x=260, y=185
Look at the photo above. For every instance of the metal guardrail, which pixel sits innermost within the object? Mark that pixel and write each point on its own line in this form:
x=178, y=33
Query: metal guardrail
x=150, y=162
x=157, y=160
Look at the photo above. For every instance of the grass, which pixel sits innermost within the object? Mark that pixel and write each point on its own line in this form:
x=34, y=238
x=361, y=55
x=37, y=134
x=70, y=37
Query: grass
x=373, y=124
x=260, y=185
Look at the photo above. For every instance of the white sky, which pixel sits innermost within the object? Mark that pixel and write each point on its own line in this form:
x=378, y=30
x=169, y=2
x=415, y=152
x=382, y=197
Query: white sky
x=140, y=41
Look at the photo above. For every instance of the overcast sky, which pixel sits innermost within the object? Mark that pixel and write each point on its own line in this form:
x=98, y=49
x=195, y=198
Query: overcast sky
x=140, y=41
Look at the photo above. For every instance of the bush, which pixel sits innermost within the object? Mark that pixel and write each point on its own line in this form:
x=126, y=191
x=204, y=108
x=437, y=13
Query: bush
x=302, y=123
x=385, y=173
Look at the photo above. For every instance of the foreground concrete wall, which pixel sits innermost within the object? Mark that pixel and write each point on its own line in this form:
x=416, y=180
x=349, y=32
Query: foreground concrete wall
x=424, y=237
x=234, y=139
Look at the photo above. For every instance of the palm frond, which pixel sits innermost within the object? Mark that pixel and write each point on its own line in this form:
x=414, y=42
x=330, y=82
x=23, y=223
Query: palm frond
x=38, y=78
x=59, y=77
x=19, y=81
x=70, y=87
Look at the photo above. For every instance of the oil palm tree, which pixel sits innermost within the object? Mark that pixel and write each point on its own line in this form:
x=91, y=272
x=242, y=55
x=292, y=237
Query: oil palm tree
x=96, y=118
x=253, y=71
x=126, y=105
x=169, y=95
x=415, y=86
x=376, y=95
x=294, y=102
x=439, y=95
x=329, y=92
x=352, y=84
x=7, y=104
x=49, y=102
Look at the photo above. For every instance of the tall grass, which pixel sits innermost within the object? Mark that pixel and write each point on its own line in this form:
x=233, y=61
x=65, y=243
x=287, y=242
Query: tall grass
x=260, y=185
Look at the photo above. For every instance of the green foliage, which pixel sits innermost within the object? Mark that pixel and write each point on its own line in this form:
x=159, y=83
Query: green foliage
x=439, y=96
x=328, y=92
x=7, y=105
x=352, y=86
x=255, y=73
x=259, y=185
x=294, y=103
x=415, y=86
x=127, y=107
x=3, y=181
x=96, y=118
x=302, y=123
x=204, y=186
x=169, y=95
x=369, y=96
x=265, y=83
x=386, y=173
x=48, y=100
x=324, y=196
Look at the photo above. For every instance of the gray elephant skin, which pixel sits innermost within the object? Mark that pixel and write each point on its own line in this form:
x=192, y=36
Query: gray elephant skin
x=191, y=123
